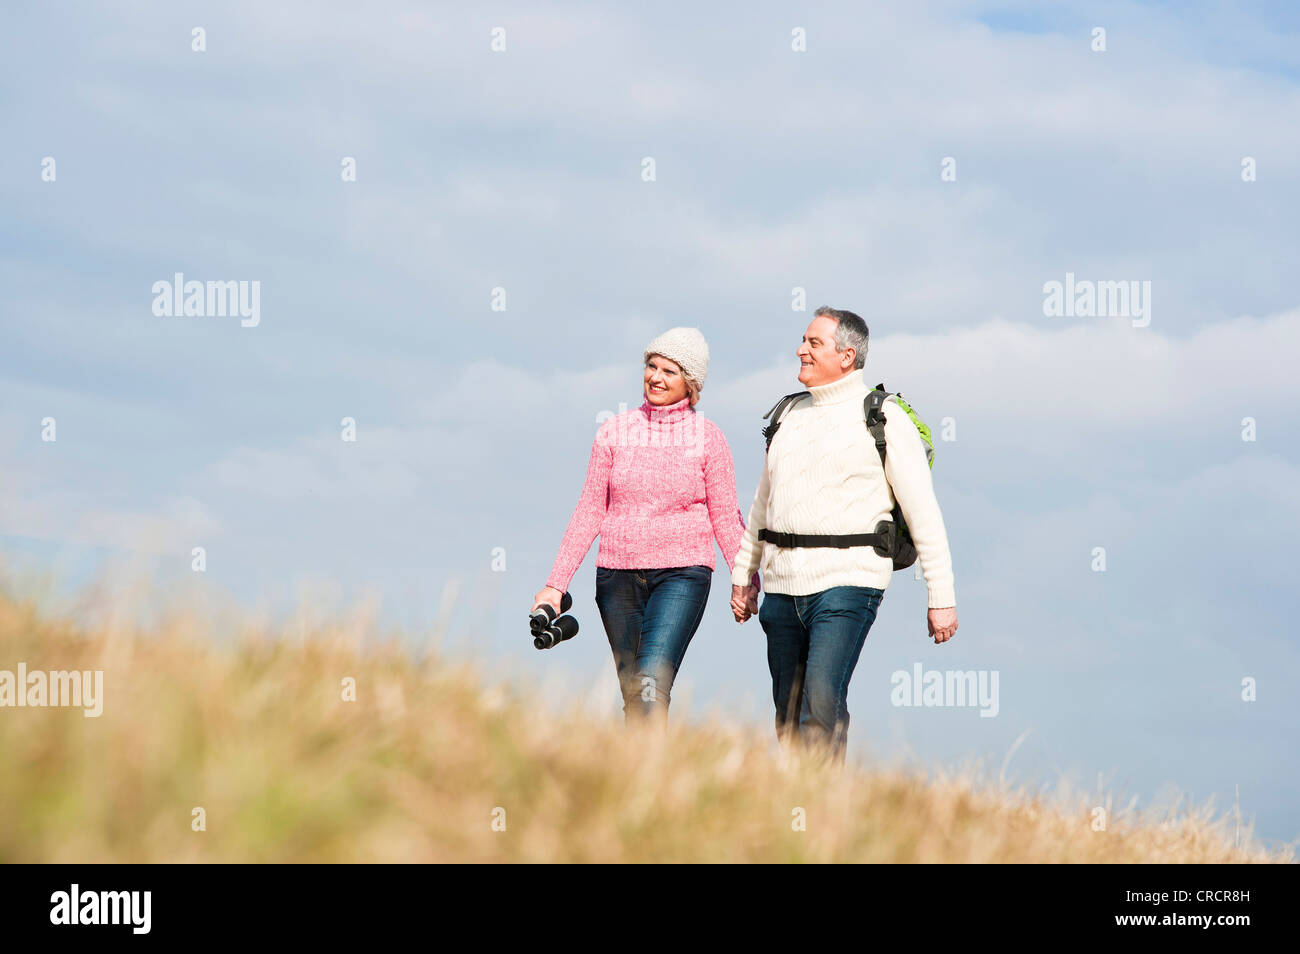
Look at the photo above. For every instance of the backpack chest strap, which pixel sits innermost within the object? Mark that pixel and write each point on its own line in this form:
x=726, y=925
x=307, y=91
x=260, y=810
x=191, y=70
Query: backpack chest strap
x=881, y=540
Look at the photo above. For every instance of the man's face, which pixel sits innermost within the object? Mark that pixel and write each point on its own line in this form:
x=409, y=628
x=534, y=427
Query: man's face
x=819, y=362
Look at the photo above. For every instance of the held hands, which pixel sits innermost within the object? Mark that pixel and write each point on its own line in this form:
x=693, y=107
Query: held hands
x=942, y=623
x=744, y=601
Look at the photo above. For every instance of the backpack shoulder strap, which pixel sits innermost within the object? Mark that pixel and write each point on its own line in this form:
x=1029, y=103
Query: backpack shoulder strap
x=777, y=412
x=873, y=409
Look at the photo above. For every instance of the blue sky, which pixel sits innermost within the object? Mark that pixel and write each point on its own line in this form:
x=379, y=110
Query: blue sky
x=775, y=169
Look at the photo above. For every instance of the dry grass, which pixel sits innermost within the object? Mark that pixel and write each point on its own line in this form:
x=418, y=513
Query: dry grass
x=250, y=725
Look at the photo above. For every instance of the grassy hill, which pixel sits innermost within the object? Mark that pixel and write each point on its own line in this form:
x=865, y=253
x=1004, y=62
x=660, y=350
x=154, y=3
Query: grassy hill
x=250, y=726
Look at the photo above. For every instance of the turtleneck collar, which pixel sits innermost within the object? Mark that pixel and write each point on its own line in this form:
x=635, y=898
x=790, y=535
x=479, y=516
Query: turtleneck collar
x=840, y=390
x=667, y=413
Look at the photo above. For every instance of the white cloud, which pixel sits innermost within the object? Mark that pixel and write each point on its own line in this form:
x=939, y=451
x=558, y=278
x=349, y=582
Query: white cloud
x=1077, y=372
x=75, y=517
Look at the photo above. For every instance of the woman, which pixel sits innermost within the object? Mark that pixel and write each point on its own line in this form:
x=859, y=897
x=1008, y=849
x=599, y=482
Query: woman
x=660, y=487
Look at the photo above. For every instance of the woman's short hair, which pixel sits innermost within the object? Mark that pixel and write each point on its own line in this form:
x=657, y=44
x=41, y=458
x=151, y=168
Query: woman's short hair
x=692, y=388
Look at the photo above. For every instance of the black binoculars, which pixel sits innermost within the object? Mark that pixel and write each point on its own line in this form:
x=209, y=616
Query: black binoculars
x=549, y=630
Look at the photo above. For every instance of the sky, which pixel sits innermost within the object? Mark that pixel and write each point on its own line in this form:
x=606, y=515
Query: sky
x=930, y=166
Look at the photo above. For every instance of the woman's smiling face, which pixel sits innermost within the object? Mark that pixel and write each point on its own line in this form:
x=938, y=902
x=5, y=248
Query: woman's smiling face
x=664, y=381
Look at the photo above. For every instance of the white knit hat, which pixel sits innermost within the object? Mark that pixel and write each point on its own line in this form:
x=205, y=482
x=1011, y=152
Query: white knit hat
x=687, y=347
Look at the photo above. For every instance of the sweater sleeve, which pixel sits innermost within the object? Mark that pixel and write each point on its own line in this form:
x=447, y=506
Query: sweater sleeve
x=587, y=515
x=750, y=553
x=909, y=477
x=720, y=497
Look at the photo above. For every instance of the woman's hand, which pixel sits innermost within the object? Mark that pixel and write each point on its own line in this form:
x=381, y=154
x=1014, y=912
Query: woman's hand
x=744, y=602
x=549, y=595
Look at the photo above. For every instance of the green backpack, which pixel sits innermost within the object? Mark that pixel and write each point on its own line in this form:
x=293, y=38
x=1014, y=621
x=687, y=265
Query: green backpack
x=890, y=538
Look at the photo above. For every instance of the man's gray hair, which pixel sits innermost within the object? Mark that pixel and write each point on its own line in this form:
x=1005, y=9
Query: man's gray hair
x=850, y=332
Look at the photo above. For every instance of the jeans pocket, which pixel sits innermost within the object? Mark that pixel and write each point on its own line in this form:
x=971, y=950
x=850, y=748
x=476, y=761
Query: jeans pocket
x=700, y=575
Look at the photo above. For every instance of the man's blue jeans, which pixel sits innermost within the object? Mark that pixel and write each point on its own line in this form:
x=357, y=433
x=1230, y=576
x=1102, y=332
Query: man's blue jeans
x=813, y=644
x=650, y=617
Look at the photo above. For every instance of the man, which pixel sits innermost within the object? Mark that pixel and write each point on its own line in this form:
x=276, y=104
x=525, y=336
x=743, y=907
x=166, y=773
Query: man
x=823, y=475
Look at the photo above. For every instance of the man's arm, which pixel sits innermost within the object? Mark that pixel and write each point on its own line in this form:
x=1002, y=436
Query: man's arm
x=909, y=476
x=750, y=553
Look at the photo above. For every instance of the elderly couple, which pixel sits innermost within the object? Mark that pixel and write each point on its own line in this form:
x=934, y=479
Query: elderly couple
x=661, y=486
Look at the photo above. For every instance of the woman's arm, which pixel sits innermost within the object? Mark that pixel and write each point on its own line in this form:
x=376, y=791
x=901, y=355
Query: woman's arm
x=587, y=515
x=720, y=496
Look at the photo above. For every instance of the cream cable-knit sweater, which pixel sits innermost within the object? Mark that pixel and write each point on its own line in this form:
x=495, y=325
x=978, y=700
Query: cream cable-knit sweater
x=823, y=475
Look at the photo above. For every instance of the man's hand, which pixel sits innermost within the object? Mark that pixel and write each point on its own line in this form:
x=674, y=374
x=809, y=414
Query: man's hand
x=744, y=601
x=942, y=623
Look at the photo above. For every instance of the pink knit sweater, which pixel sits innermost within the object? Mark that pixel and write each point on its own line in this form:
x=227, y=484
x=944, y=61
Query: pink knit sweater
x=660, y=487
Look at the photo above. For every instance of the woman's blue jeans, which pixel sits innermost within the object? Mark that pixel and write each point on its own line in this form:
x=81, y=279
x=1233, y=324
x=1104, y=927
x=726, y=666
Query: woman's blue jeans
x=650, y=617
x=813, y=644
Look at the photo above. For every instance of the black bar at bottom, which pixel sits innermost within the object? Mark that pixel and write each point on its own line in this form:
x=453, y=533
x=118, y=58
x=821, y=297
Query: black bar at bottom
x=329, y=904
